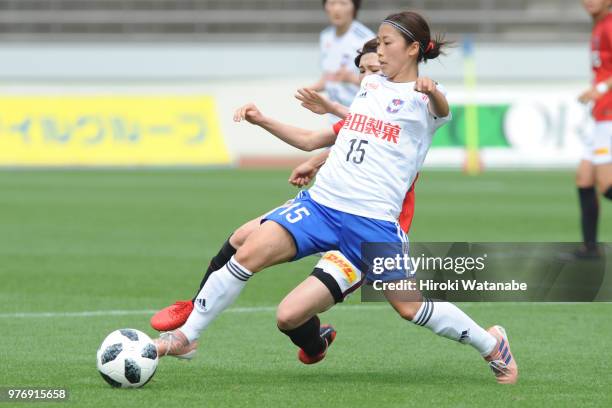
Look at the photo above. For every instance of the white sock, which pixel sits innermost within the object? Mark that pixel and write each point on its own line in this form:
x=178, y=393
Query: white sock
x=447, y=320
x=219, y=292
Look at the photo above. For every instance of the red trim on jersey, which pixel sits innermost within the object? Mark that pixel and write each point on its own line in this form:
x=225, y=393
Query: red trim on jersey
x=407, y=213
x=337, y=126
x=405, y=217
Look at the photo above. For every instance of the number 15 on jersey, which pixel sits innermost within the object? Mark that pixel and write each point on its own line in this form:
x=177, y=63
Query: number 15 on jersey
x=296, y=215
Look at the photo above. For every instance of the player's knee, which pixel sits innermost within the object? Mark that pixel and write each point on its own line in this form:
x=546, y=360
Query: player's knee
x=408, y=310
x=249, y=257
x=407, y=315
x=584, y=181
x=240, y=236
x=286, y=319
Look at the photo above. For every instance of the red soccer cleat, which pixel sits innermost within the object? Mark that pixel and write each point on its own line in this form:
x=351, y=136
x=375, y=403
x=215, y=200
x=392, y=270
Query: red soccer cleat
x=328, y=333
x=172, y=317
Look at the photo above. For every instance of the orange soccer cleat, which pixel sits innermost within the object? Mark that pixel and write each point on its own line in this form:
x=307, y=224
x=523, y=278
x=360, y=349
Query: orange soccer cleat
x=172, y=317
x=501, y=361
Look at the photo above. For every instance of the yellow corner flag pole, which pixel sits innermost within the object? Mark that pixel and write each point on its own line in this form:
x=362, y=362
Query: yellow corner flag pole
x=472, y=164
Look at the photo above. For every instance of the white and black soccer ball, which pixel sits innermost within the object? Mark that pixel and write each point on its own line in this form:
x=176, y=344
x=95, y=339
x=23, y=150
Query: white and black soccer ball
x=127, y=358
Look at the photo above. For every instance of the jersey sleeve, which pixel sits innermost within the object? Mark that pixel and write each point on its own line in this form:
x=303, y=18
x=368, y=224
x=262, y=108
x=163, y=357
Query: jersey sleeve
x=337, y=126
x=437, y=122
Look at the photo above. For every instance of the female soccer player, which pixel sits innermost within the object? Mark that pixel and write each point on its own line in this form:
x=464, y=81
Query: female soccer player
x=595, y=169
x=338, y=46
x=176, y=314
x=356, y=199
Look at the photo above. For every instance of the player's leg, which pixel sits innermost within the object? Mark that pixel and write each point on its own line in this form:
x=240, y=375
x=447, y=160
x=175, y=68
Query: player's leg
x=333, y=279
x=229, y=248
x=268, y=245
x=287, y=233
x=602, y=157
x=297, y=317
x=603, y=174
x=175, y=315
x=447, y=320
x=443, y=318
x=589, y=206
x=235, y=241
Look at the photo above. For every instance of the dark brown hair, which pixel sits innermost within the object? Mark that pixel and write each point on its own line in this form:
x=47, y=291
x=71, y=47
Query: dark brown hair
x=413, y=27
x=367, y=48
x=356, y=6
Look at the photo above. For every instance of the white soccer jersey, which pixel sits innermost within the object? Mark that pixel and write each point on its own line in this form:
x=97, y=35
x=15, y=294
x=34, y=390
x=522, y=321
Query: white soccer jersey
x=379, y=150
x=337, y=52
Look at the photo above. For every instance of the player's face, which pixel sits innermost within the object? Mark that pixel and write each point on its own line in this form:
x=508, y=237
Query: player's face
x=393, y=52
x=368, y=64
x=595, y=7
x=340, y=12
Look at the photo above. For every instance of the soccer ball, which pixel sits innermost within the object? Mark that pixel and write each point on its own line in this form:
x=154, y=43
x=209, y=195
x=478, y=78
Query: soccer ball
x=127, y=358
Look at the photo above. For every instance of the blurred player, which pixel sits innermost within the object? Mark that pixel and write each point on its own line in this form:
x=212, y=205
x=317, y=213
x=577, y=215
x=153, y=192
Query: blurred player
x=338, y=46
x=595, y=169
x=356, y=198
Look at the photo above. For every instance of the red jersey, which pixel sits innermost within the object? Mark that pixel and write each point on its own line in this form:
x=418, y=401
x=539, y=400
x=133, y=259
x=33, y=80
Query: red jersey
x=407, y=213
x=601, y=63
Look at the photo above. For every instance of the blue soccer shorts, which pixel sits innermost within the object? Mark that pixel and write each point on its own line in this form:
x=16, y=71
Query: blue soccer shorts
x=316, y=228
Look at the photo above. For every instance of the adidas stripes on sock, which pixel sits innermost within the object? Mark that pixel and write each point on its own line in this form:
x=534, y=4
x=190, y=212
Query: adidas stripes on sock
x=217, y=294
x=447, y=320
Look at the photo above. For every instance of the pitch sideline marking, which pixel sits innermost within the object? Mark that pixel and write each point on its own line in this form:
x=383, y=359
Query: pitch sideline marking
x=255, y=309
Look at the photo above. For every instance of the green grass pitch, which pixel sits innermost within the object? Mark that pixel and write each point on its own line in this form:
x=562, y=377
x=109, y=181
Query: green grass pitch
x=73, y=241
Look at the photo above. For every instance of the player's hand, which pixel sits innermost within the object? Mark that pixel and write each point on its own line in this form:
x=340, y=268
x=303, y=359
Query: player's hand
x=250, y=113
x=313, y=101
x=425, y=85
x=303, y=174
x=589, y=96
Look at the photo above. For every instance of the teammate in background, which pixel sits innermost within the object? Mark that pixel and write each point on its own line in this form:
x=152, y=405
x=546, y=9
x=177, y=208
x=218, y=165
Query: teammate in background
x=595, y=169
x=367, y=63
x=338, y=46
x=402, y=112
x=176, y=314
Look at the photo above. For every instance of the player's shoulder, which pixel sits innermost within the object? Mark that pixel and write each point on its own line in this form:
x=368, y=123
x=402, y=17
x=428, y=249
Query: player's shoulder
x=373, y=78
x=607, y=21
x=327, y=32
x=361, y=31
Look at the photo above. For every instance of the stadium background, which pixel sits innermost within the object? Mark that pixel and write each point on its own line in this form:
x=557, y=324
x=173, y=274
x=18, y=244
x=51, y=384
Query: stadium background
x=107, y=83
x=530, y=59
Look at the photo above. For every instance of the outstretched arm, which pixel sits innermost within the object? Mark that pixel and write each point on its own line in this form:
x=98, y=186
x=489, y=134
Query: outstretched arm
x=302, y=139
x=317, y=103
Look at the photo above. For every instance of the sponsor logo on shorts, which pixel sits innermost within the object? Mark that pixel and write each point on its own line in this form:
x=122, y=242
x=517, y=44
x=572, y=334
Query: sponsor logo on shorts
x=346, y=268
x=603, y=150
